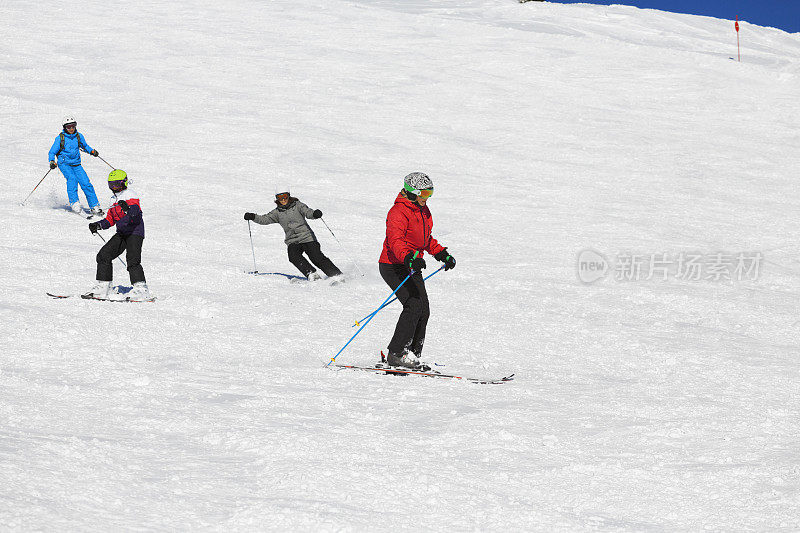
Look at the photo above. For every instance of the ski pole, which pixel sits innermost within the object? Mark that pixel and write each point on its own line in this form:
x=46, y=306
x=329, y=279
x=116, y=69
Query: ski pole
x=367, y=322
x=340, y=244
x=255, y=269
x=118, y=257
x=106, y=162
x=395, y=298
x=37, y=185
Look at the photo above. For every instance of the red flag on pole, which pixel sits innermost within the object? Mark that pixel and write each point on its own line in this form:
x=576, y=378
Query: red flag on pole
x=738, y=50
x=737, y=23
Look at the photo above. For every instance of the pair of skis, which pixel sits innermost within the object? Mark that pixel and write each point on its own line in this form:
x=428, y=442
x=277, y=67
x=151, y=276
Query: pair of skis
x=299, y=279
x=380, y=369
x=87, y=216
x=423, y=370
x=85, y=297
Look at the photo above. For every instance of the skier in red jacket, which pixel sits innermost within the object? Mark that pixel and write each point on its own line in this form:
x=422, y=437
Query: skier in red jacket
x=408, y=237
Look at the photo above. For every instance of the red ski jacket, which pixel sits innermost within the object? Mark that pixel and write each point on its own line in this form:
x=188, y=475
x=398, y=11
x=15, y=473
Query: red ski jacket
x=408, y=228
x=130, y=224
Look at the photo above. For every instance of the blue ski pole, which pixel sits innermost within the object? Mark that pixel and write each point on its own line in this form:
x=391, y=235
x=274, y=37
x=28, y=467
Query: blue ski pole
x=367, y=322
x=387, y=303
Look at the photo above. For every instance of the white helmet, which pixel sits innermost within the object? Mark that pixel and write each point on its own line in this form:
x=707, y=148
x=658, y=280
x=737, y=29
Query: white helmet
x=416, y=182
x=68, y=119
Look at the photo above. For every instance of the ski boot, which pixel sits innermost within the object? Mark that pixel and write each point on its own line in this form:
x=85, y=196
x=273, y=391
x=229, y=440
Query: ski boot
x=139, y=292
x=313, y=276
x=100, y=290
x=96, y=211
x=404, y=360
x=76, y=207
x=336, y=280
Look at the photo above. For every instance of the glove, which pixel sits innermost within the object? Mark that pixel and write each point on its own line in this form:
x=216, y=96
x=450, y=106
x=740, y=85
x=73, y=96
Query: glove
x=53, y=165
x=413, y=262
x=249, y=216
x=317, y=213
x=94, y=153
x=448, y=260
x=94, y=226
x=123, y=205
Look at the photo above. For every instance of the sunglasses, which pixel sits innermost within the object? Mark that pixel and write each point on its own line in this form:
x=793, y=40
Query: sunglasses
x=282, y=196
x=70, y=126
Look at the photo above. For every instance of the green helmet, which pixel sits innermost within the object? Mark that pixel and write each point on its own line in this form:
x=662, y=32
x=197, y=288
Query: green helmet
x=117, y=180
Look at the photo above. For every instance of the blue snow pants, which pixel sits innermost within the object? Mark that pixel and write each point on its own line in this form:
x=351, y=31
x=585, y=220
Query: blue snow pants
x=76, y=175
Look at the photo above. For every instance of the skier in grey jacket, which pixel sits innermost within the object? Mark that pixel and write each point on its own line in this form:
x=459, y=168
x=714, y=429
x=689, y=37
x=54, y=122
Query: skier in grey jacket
x=291, y=214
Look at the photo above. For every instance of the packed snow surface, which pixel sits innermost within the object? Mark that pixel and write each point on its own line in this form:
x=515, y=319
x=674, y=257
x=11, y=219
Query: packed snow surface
x=653, y=400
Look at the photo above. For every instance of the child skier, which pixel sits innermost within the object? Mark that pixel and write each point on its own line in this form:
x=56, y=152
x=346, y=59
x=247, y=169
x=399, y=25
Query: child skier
x=291, y=214
x=65, y=154
x=126, y=214
x=408, y=236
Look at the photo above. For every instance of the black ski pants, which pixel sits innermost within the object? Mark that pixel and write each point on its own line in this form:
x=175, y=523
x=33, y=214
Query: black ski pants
x=113, y=249
x=313, y=251
x=409, y=333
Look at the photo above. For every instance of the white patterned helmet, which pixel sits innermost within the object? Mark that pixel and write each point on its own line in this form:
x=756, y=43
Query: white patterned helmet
x=68, y=119
x=418, y=184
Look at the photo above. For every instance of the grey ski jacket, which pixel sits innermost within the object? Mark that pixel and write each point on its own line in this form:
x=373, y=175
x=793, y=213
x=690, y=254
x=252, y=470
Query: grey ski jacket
x=292, y=219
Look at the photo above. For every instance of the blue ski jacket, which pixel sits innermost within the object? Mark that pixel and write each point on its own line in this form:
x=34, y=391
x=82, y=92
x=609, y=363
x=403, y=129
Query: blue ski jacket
x=70, y=154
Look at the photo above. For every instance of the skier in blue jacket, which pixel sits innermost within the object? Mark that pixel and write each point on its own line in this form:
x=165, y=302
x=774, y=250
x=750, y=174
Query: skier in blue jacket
x=65, y=154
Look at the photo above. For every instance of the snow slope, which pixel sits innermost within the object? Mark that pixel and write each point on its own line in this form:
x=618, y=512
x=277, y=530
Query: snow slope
x=642, y=405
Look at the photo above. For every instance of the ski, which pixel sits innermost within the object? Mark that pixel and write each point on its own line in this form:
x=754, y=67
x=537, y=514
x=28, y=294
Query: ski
x=124, y=300
x=332, y=281
x=127, y=300
x=88, y=216
x=290, y=277
x=81, y=214
x=427, y=373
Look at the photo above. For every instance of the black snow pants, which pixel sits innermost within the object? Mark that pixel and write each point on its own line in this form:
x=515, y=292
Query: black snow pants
x=113, y=249
x=409, y=333
x=313, y=251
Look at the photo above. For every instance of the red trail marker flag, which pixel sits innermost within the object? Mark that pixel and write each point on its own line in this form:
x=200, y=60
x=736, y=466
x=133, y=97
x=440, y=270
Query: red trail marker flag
x=738, y=51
